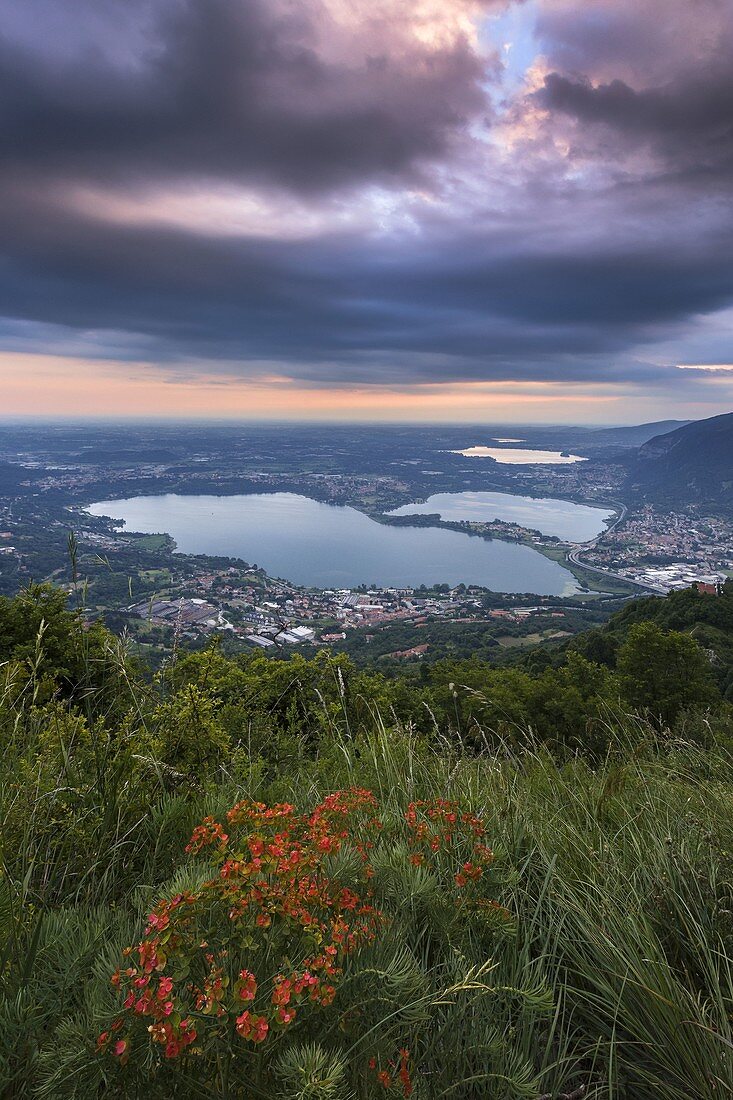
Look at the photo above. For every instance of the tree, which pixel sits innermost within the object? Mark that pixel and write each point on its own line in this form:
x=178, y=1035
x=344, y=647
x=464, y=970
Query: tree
x=598, y=646
x=63, y=656
x=664, y=672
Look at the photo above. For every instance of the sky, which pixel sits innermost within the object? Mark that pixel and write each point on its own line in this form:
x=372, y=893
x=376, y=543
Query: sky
x=367, y=209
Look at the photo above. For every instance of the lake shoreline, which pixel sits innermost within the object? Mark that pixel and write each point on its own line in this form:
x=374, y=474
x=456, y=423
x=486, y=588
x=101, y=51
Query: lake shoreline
x=320, y=545
x=596, y=584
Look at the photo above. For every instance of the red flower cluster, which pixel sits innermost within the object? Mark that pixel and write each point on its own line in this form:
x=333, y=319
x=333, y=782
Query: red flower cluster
x=273, y=892
x=438, y=825
x=253, y=1027
x=274, y=906
x=398, y=1071
x=204, y=834
x=246, y=986
x=152, y=997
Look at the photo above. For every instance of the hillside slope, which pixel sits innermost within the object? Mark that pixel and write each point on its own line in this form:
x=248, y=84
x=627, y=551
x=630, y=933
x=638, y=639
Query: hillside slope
x=691, y=465
x=637, y=434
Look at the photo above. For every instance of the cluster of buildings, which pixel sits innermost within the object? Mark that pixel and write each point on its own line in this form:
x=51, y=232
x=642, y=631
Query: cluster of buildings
x=185, y=615
x=262, y=626
x=5, y=547
x=269, y=614
x=506, y=530
x=666, y=550
x=380, y=606
x=74, y=477
x=573, y=481
x=266, y=612
x=273, y=635
x=338, y=488
x=521, y=614
x=334, y=612
x=667, y=578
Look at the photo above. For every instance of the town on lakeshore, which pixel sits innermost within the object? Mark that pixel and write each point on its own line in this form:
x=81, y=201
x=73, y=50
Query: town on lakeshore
x=153, y=590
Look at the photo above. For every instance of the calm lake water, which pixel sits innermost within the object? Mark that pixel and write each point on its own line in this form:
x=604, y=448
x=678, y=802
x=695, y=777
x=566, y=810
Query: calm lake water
x=318, y=544
x=562, y=518
x=520, y=456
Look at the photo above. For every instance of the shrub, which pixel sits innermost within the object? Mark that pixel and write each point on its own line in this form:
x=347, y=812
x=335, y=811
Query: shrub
x=187, y=735
x=321, y=950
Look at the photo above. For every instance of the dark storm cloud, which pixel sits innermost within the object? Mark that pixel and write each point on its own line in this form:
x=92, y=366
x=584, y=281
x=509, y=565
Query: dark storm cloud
x=689, y=124
x=126, y=97
x=341, y=308
x=241, y=89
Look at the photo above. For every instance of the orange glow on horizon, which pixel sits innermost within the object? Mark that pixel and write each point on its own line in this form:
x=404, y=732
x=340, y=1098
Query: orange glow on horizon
x=54, y=386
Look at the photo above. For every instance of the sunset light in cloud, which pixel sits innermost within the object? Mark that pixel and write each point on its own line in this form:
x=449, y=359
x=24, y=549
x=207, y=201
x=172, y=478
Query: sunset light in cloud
x=54, y=386
x=419, y=210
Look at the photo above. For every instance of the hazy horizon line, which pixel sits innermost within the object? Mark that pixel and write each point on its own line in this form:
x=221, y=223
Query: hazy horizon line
x=85, y=420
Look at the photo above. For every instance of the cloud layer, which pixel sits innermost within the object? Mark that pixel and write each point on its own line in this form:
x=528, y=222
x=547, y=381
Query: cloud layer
x=307, y=96
x=356, y=193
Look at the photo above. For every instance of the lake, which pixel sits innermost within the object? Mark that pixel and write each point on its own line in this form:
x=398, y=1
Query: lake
x=520, y=456
x=561, y=518
x=312, y=543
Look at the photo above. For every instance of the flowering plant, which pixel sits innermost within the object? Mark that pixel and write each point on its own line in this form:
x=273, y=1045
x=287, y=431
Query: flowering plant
x=270, y=944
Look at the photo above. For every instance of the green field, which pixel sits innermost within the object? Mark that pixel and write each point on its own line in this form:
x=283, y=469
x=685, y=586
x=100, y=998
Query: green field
x=152, y=542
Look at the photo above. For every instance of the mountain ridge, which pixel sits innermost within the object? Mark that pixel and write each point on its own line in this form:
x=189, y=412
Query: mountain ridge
x=635, y=435
x=692, y=465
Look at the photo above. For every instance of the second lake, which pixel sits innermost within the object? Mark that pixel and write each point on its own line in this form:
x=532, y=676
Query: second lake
x=327, y=546
x=561, y=518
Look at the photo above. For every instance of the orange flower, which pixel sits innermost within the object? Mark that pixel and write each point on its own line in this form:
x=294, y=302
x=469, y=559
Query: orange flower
x=247, y=985
x=404, y=1073
x=282, y=991
x=252, y=1027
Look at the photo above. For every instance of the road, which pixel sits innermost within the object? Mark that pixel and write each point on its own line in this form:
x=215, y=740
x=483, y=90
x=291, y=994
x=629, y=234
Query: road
x=573, y=556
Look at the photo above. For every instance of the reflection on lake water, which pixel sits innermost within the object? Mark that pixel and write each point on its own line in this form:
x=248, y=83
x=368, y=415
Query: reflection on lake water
x=318, y=544
x=520, y=456
x=561, y=518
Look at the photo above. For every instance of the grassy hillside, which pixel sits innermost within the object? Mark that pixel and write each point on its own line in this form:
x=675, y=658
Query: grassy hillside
x=524, y=891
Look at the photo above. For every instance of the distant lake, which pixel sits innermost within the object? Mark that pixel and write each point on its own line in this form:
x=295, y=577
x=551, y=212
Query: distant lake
x=520, y=456
x=311, y=543
x=561, y=518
